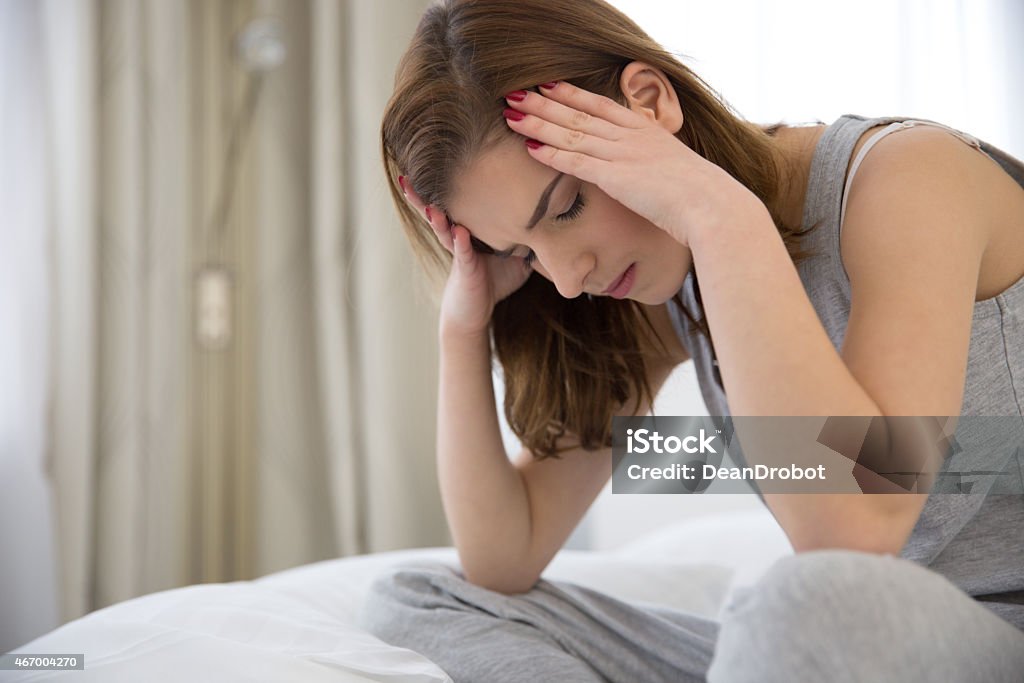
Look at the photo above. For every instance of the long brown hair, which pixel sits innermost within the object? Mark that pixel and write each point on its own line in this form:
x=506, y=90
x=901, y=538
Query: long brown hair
x=568, y=364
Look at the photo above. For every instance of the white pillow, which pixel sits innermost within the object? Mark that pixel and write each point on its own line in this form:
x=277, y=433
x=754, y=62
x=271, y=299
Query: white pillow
x=747, y=541
x=225, y=632
x=694, y=587
x=339, y=586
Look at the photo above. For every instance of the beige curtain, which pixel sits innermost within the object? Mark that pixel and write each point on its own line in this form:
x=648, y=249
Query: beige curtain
x=243, y=357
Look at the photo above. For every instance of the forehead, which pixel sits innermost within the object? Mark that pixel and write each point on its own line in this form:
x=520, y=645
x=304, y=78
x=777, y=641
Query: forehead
x=495, y=196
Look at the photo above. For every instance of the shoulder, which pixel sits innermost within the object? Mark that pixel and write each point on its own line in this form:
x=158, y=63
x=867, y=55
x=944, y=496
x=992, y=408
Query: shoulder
x=921, y=164
x=919, y=192
x=913, y=237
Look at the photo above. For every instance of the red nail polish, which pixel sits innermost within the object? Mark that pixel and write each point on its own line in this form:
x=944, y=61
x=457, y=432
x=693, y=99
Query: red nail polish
x=513, y=115
x=534, y=144
x=549, y=86
x=516, y=96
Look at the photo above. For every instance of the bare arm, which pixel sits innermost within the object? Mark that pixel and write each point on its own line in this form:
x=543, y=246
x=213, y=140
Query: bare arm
x=508, y=519
x=484, y=497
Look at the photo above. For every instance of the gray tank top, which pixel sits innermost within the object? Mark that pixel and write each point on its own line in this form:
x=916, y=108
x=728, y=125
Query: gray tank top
x=975, y=541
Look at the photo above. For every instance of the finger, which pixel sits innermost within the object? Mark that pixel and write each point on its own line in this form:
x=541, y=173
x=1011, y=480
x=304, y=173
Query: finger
x=564, y=138
x=463, y=249
x=563, y=115
x=598, y=106
x=438, y=221
x=411, y=195
x=587, y=168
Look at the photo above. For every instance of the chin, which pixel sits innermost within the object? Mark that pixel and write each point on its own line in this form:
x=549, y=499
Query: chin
x=663, y=297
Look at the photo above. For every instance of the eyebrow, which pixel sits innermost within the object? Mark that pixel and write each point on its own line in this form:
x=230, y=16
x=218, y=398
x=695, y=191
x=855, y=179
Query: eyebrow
x=538, y=213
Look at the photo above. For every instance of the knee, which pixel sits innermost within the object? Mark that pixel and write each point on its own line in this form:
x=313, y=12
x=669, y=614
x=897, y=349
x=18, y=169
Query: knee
x=821, y=574
x=402, y=594
x=807, y=601
x=835, y=582
x=828, y=610
x=838, y=613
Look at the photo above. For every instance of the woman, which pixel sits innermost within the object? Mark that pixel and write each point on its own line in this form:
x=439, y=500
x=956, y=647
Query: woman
x=538, y=151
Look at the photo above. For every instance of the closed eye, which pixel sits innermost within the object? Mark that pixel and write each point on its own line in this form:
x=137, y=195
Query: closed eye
x=574, y=210
x=571, y=213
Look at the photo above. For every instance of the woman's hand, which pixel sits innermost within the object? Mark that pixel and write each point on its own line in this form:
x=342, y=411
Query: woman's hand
x=476, y=282
x=632, y=159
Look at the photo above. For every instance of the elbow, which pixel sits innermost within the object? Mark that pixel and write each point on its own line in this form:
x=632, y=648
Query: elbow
x=506, y=585
x=881, y=536
x=500, y=574
x=860, y=545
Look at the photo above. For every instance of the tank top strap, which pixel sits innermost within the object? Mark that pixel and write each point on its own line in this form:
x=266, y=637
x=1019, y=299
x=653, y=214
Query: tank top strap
x=892, y=128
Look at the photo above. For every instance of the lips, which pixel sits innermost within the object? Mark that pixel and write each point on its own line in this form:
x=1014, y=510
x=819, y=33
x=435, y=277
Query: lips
x=618, y=281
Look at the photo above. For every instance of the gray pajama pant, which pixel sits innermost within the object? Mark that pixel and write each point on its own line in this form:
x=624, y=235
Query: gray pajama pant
x=834, y=615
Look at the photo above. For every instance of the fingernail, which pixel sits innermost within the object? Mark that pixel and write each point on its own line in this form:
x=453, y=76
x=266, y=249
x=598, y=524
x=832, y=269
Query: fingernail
x=549, y=86
x=429, y=218
x=401, y=181
x=516, y=96
x=513, y=115
x=534, y=144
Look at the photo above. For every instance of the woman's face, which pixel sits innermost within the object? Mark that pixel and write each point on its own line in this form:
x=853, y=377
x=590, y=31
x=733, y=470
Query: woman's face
x=581, y=249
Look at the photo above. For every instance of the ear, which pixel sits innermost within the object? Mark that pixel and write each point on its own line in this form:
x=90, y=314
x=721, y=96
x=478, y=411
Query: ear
x=649, y=93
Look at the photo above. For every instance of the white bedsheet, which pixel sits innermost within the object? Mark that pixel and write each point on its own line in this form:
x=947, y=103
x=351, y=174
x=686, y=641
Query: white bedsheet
x=299, y=624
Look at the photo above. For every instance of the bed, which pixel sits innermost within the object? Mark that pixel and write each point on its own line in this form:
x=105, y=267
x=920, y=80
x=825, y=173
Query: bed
x=300, y=624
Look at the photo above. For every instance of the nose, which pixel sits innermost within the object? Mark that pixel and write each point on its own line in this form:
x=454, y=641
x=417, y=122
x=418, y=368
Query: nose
x=566, y=268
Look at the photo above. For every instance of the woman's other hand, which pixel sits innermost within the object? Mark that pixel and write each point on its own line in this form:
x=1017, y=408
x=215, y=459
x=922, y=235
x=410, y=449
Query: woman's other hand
x=476, y=282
